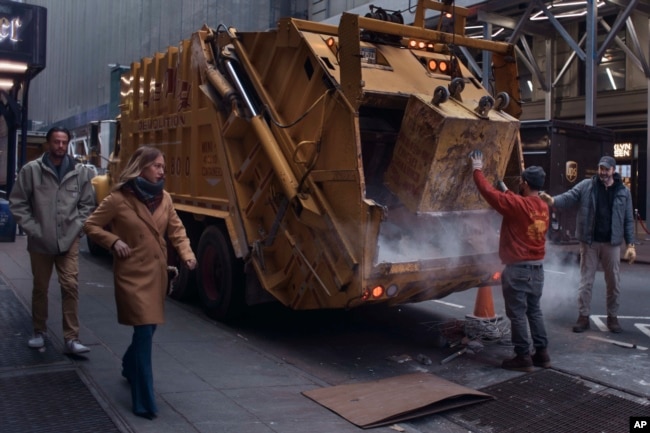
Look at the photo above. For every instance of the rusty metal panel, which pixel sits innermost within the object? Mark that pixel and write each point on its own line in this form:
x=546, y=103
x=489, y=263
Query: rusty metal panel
x=350, y=63
x=430, y=171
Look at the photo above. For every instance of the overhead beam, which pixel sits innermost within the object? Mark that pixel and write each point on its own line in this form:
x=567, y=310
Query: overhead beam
x=511, y=23
x=620, y=21
x=642, y=6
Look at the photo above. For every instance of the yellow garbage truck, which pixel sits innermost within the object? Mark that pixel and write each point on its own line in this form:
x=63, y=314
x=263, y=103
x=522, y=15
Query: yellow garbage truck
x=326, y=166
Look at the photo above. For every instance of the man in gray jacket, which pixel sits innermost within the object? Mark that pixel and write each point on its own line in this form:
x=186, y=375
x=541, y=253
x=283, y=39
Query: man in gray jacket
x=604, y=221
x=51, y=199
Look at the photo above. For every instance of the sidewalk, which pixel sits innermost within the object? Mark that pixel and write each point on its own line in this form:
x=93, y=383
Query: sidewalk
x=206, y=378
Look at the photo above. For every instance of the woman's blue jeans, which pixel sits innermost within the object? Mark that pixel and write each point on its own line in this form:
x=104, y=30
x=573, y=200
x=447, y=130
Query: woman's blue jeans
x=136, y=367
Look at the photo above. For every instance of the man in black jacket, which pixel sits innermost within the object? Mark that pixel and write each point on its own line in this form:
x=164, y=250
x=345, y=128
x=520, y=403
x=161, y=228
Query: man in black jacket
x=604, y=221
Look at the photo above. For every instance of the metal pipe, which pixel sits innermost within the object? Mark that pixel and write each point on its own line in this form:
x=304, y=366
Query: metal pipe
x=240, y=87
x=220, y=83
x=276, y=157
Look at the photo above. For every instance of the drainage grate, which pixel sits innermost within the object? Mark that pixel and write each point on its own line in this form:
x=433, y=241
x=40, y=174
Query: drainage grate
x=16, y=328
x=50, y=402
x=549, y=401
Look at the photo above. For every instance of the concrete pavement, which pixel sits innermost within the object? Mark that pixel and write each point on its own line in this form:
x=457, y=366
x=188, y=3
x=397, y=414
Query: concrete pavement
x=206, y=378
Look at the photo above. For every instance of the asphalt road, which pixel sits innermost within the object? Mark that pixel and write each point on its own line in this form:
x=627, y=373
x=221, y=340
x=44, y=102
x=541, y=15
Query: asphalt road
x=366, y=344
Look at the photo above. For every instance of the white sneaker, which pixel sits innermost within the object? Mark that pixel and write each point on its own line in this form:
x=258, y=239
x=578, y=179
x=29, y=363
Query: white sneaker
x=75, y=346
x=37, y=341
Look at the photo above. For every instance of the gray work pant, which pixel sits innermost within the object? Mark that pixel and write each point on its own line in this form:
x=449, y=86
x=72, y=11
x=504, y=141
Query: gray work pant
x=522, y=291
x=609, y=258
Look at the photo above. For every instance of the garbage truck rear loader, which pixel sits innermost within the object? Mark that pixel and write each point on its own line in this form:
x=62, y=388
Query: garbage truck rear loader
x=327, y=166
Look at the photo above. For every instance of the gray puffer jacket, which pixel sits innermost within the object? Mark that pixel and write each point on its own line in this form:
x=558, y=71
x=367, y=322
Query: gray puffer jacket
x=584, y=196
x=52, y=213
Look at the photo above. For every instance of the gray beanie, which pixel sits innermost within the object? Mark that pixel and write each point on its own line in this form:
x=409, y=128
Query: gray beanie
x=535, y=177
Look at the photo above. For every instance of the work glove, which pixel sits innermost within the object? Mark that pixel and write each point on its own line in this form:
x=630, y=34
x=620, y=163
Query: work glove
x=630, y=254
x=547, y=198
x=476, y=156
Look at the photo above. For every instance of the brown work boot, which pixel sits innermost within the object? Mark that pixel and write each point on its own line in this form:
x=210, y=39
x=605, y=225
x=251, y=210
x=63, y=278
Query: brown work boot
x=541, y=358
x=582, y=324
x=519, y=363
x=612, y=324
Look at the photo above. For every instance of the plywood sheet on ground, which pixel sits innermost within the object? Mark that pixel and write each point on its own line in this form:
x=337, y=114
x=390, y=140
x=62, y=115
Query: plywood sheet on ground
x=372, y=404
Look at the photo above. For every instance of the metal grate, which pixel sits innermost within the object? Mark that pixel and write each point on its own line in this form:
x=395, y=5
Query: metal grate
x=16, y=328
x=549, y=401
x=50, y=402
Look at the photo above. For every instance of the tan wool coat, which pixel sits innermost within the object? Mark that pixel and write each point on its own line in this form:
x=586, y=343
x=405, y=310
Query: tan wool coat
x=140, y=279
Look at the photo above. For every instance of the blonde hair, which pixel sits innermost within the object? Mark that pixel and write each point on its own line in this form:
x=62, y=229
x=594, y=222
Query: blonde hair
x=142, y=158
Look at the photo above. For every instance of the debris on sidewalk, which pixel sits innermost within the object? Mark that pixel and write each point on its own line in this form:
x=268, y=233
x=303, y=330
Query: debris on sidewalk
x=400, y=359
x=618, y=343
x=471, y=335
x=471, y=346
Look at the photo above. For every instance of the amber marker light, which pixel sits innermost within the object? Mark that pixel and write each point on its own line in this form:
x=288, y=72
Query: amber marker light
x=413, y=44
x=422, y=45
x=496, y=276
x=432, y=64
x=331, y=44
x=377, y=291
x=443, y=66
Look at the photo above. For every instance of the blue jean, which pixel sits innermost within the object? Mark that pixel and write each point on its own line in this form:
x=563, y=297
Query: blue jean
x=522, y=290
x=136, y=367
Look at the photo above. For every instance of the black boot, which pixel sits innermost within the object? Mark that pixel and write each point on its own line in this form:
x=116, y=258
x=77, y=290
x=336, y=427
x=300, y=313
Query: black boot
x=541, y=358
x=612, y=324
x=582, y=324
x=519, y=363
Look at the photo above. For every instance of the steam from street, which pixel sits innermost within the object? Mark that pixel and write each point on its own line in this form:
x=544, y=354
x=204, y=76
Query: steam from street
x=561, y=278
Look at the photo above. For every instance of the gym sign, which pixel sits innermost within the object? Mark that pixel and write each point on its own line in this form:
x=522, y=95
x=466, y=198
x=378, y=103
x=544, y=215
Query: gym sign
x=622, y=150
x=9, y=29
x=23, y=30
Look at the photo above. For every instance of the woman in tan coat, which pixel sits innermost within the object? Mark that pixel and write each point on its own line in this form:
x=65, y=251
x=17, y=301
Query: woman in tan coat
x=140, y=213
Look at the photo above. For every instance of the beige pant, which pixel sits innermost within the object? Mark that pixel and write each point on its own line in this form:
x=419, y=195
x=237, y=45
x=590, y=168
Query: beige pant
x=67, y=269
x=609, y=258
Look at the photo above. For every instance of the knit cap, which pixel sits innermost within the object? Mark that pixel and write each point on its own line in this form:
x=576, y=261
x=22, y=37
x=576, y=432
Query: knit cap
x=535, y=176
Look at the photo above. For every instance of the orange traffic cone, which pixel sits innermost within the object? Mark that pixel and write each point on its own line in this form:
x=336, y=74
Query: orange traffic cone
x=484, y=307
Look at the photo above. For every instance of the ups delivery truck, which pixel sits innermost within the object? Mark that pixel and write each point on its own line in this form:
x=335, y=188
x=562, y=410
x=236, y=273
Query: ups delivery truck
x=569, y=153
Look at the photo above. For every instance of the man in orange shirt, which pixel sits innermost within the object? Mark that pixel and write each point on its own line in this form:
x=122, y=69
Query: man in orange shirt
x=521, y=248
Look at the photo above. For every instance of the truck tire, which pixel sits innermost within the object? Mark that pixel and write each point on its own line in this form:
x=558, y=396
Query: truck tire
x=184, y=286
x=220, y=276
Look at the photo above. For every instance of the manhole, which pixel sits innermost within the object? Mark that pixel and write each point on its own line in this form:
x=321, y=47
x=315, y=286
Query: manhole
x=549, y=401
x=16, y=328
x=50, y=402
